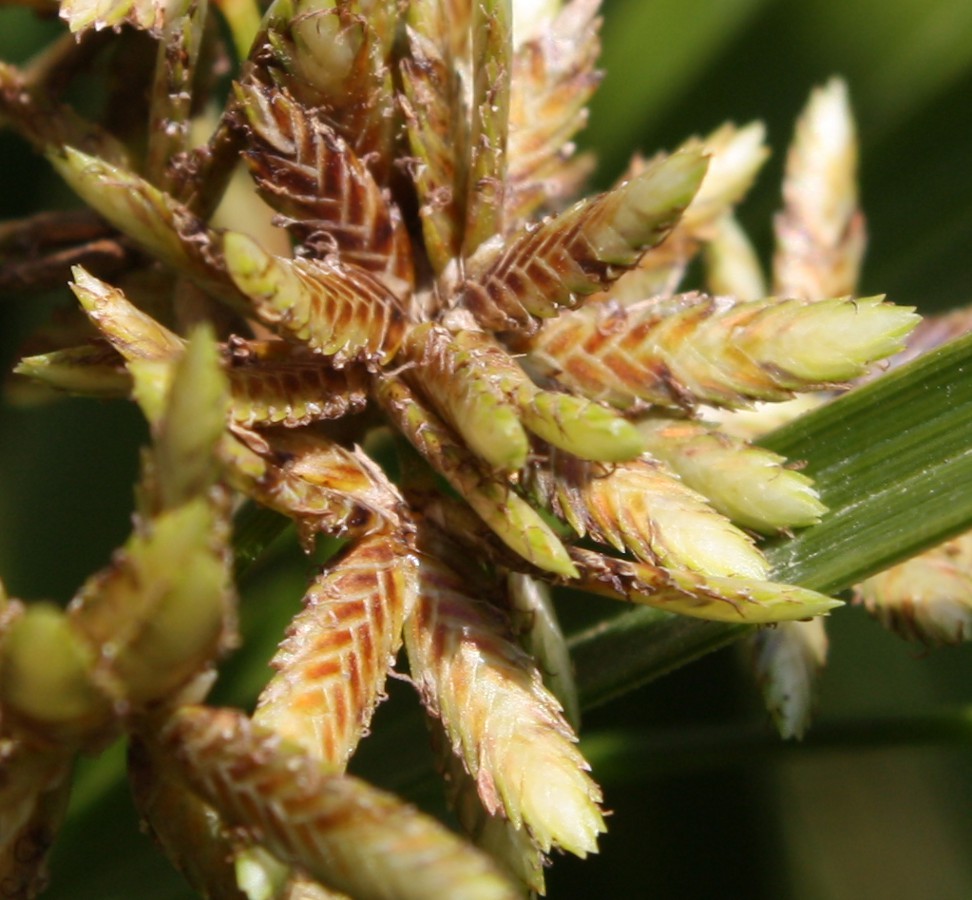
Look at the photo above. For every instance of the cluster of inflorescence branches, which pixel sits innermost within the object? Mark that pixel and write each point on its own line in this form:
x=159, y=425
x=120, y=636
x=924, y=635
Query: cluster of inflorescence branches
x=428, y=277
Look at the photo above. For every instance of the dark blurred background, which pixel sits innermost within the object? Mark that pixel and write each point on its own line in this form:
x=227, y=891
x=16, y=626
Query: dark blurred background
x=741, y=820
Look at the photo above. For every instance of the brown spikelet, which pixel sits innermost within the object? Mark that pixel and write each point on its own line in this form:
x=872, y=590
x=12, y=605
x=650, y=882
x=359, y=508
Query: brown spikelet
x=692, y=348
x=928, y=598
x=333, y=205
x=335, y=60
x=583, y=249
x=339, y=830
x=319, y=484
x=171, y=100
x=337, y=310
x=506, y=726
x=278, y=383
x=331, y=668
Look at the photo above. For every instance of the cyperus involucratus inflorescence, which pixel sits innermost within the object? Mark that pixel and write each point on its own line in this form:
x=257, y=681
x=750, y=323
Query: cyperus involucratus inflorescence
x=430, y=280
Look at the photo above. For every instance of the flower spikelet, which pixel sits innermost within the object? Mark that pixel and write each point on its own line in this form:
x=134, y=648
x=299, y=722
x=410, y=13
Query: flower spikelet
x=927, y=599
x=750, y=485
x=508, y=515
x=820, y=234
x=787, y=660
x=338, y=310
x=641, y=506
x=512, y=848
x=374, y=300
x=277, y=383
x=81, y=15
x=507, y=728
x=718, y=598
x=317, y=482
x=329, y=197
x=693, y=348
x=534, y=619
x=334, y=57
x=583, y=249
x=341, y=831
x=553, y=78
x=331, y=667
x=735, y=156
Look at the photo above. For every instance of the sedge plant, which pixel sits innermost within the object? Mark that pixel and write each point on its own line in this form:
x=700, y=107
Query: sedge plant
x=345, y=262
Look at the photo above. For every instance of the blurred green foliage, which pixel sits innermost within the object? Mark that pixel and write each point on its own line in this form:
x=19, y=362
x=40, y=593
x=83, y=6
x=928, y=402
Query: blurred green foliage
x=740, y=820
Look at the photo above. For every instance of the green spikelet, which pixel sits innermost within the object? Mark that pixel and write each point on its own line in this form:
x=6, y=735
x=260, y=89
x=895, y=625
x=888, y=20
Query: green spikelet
x=507, y=514
x=642, y=507
x=735, y=156
x=435, y=124
x=720, y=599
x=492, y=52
x=150, y=217
x=485, y=395
x=470, y=379
x=47, y=681
x=91, y=371
x=535, y=622
x=750, y=485
x=133, y=333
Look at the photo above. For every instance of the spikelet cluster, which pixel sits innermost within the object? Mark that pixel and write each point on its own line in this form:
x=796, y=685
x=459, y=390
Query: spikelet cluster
x=820, y=243
x=403, y=247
